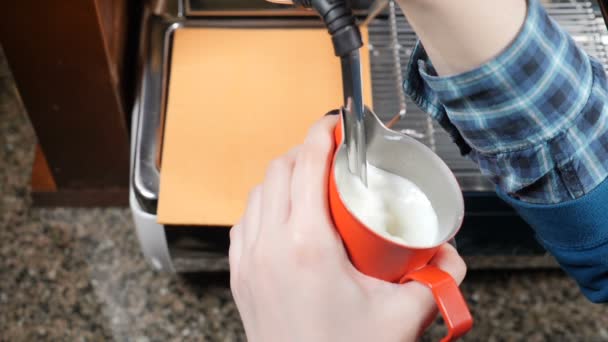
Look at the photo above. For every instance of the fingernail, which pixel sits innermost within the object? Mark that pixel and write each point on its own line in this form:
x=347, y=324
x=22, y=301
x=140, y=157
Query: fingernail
x=333, y=112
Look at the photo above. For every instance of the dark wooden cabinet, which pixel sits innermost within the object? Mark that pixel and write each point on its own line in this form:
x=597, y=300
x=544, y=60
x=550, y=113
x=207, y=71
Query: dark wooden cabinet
x=72, y=61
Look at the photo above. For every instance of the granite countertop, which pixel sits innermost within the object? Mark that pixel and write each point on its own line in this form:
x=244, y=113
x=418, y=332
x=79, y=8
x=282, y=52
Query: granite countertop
x=78, y=274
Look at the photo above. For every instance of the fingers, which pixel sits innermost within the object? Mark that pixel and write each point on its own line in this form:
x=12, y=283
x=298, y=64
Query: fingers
x=276, y=193
x=309, y=180
x=234, y=255
x=236, y=248
x=420, y=297
x=448, y=259
x=321, y=129
x=252, y=219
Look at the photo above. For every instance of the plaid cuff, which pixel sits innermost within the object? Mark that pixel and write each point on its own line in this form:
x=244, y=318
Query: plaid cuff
x=427, y=99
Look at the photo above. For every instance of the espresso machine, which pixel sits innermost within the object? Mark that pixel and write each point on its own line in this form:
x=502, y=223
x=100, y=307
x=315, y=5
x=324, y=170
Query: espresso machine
x=491, y=228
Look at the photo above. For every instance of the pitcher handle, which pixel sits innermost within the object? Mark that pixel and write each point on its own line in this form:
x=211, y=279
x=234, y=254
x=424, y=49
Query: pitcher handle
x=448, y=297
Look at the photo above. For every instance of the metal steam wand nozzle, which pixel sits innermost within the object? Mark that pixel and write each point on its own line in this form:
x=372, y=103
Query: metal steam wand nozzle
x=338, y=17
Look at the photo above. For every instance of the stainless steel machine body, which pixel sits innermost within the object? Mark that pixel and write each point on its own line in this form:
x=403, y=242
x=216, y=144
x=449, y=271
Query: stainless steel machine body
x=490, y=228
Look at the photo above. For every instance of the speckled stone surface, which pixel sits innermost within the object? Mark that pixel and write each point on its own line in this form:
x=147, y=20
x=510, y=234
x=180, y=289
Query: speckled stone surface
x=77, y=274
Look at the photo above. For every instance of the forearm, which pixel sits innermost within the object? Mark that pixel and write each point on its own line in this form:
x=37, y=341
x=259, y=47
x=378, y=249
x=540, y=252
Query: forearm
x=462, y=35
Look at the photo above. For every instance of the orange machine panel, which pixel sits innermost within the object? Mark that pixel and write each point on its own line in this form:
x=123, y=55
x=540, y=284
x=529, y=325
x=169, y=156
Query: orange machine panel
x=237, y=99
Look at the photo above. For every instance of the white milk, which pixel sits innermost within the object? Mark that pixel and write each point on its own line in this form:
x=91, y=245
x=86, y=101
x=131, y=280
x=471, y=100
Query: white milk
x=392, y=206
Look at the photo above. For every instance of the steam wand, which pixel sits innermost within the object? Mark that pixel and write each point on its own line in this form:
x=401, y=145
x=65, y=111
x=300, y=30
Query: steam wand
x=346, y=38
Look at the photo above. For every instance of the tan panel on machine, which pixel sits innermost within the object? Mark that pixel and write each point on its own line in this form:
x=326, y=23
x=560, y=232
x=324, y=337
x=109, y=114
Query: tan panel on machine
x=237, y=99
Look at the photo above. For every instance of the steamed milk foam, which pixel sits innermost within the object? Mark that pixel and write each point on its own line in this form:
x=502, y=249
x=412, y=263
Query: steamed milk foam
x=392, y=206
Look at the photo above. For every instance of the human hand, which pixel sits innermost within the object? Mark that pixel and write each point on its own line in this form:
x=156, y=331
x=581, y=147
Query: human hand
x=290, y=275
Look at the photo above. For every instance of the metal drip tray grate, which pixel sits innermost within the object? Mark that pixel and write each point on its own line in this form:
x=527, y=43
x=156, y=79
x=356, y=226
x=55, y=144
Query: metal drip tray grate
x=391, y=36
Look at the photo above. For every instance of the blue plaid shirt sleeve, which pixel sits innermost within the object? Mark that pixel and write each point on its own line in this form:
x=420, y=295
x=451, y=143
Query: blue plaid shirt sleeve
x=534, y=118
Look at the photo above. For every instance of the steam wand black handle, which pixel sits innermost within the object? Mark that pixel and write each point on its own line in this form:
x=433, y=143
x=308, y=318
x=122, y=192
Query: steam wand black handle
x=346, y=37
x=340, y=22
